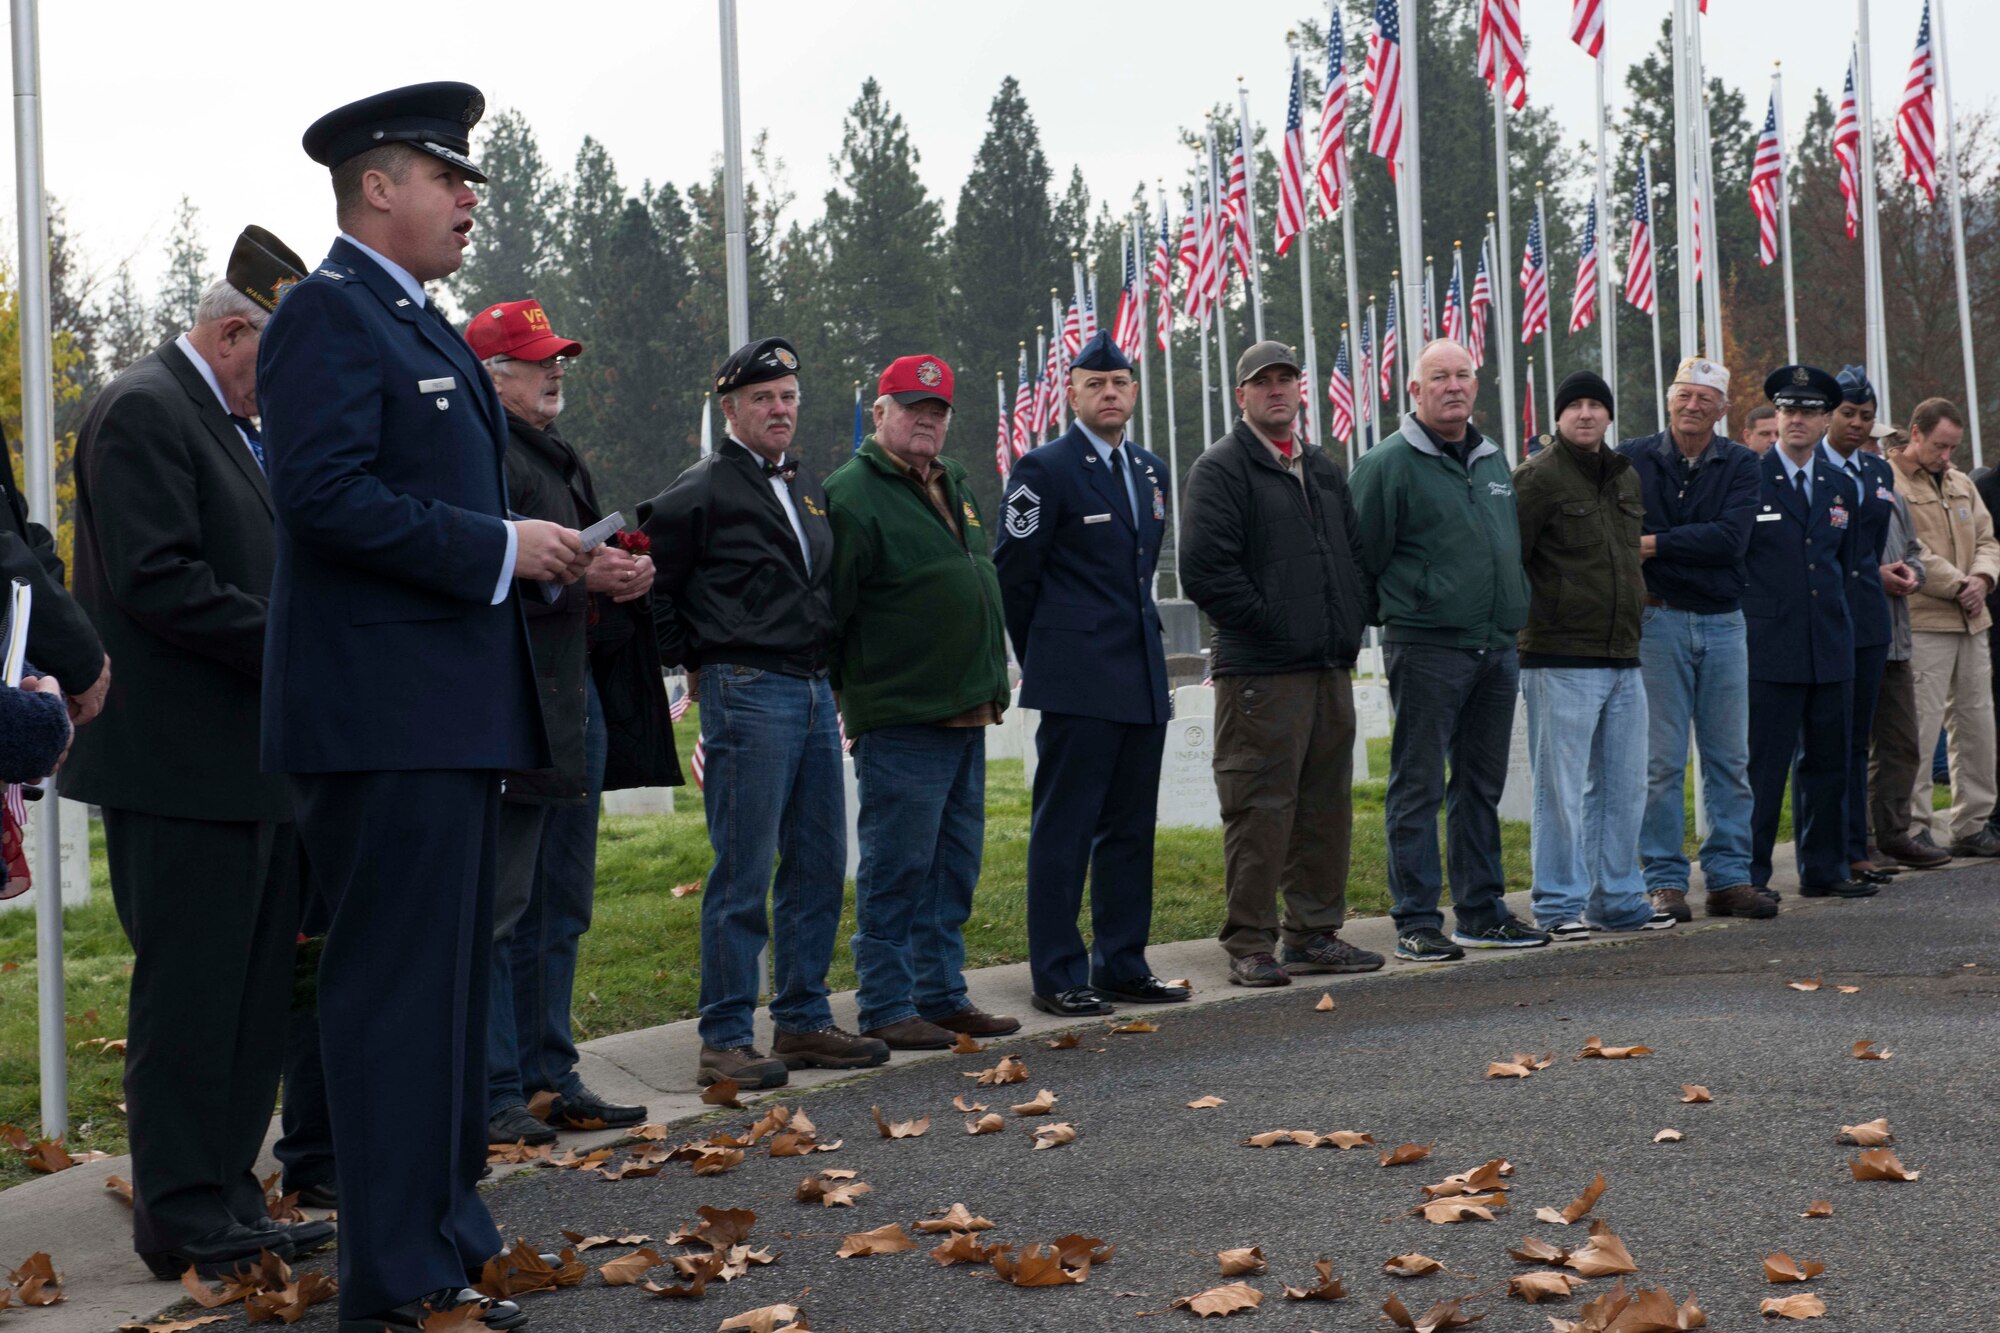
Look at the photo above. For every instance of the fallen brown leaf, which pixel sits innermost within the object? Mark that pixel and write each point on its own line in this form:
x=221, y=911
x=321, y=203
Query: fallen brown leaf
x=14, y=1137
x=1521, y=1064
x=1271, y=1138
x=516, y=1153
x=1865, y=1050
x=173, y=1325
x=1594, y=1048
x=289, y=1304
x=1325, y=1005
x=1011, y=1069
x=1328, y=1288
x=722, y=1092
x=990, y=1123
x=1404, y=1154
x=36, y=1281
x=831, y=1190
x=1540, y=1286
x=1135, y=1026
x=121, y=1187
x=577, y=1161
x=740, y=1259
x=233, y=1289
x=773, y=1120
x=901, y=1129
x=650, y=1133
x=1054, y=1136
x=1231, y=1298
x=764, y=1319
x=686, y=890
x=1869, y=1134
x=1067, y=1042
x=1444, y=1315
x=1880, y=1164
x=1576, y=1207
x=723, y=1227
x=1444, y=1211
x=1848, y=990
x=1208, y=1103
x=1535, y=1251
x=1249, y=1259
x=1411, y=1265
x=961, y=1104
x=963, y=1247
x=1818, y=1208
x=965, y=1045
x=1805, y=1305
x=1811, y=985
x=1647, y=1310
x=1668, y=1136
x=1344, y=1139
x=1694, y=1092
x=717, y=1162
x=697, y=1269
x=1076, y=1248
x=1036, y=1266
x=1043, y=1103
x=1481, y=1178
x=955, y=1218
x=890, y=1238
x=1603, y=1255
x=1781, y=1267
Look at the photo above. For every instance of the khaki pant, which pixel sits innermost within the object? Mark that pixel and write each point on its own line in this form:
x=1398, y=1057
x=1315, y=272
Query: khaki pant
x=1892, y=765
x=1953, y=679
x=1284, y=770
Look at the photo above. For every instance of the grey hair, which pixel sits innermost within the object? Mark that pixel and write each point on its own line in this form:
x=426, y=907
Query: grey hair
x=219, y=301
x=497, y=360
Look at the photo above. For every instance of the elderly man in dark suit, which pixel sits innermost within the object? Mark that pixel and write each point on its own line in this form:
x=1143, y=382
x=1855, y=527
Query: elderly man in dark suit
x=397, y=688
x=173, y=564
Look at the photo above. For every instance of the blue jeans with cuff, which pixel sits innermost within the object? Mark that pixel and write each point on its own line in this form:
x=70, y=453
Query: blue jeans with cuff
x=1697, y=672
x=1587, y=751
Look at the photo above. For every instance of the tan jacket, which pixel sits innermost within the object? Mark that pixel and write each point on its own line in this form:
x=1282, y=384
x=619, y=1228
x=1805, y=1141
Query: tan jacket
x=1950, y=519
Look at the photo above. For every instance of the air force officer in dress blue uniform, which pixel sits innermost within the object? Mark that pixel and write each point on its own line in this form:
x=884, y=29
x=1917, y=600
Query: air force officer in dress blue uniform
x=1084, y=516
x=1801, y=638
x=397, y=686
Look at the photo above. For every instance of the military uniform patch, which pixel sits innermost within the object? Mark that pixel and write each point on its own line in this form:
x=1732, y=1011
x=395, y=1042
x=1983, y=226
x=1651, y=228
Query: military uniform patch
x=1837, y=516
x=1024, y=513
x=1159, y=503
x=970, y=516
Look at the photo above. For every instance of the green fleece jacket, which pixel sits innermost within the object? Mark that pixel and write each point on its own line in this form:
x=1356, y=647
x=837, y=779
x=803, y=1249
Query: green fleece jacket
x=916, y=607
x=1440, y=541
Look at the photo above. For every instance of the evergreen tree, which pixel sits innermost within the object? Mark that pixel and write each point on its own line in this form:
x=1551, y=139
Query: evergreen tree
x=128, y=325
x=186, y=278
x=514, y=232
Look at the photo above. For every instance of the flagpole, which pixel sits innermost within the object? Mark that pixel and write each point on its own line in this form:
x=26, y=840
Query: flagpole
x=1530, y=390
x=1139, y=366
x=1000, y=392
x=1217, y=214
x=1167, y=372
x=1374, y=374
x=1687, y=127
x=1399, y=396
x=1432, y=321
x=1250, y=209
x=707, y=425
x=1653, y=258
x=1410, y=180
x=1955, y=187
x=1785, y=215
x=1549, y=324
x=1503, y=307
x=1041, y=372
x=1311, y=346
x=1871, y=241
x=1607, y=291
x=1347, y=257
x=1711, y=274
x=735, y=247
x=1504, y=335
x=1058, y=419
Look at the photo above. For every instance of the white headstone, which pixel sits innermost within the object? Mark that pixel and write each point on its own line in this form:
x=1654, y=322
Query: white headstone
x=1372, y=717
x=639, y=801
x=75, y=834
x=1361, y=773
x=1030, y=721
x=1517, y=798
x=1187, y=775
x=1194, y=701
x=1369, y=663
x=850, y=796
x=1004, y=741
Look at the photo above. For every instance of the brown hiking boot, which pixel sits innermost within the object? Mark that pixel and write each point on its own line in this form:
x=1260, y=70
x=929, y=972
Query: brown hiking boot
x=1740, y=900
x=1674, y=902
x=911, y=1034
x=979, y=1023
x=829, y=1048
x=747, y=1065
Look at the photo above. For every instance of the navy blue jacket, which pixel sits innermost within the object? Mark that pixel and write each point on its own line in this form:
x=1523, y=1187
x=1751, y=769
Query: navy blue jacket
x=385, y=439
x=1701, y=530
x=1795, y=614
x=1866, y=600
x=1076, y=581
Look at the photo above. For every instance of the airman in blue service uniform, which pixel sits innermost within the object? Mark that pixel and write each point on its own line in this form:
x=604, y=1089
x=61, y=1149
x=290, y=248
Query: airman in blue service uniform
x=1803, y=540
x=1867, y=597
x=398, y=686
x=1083, y=520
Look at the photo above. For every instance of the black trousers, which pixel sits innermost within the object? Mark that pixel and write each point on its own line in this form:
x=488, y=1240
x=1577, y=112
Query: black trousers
x=1096, y=800
x=405, y=862
x=211, y=908
x=306, y=1150
x=1809, y=724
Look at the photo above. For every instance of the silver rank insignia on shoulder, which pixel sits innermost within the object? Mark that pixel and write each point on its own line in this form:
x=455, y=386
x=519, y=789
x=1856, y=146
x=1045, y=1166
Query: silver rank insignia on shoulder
x=1024, y=512
x=402, y=301
x=328, y=273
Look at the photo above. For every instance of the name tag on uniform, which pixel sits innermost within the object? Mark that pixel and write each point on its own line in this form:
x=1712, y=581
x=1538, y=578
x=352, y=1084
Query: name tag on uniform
x=435, y=386
x=1769, y=518
x=1097, y=518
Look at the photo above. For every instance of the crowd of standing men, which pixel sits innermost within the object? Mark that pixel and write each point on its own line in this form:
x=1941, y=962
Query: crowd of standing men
x=378, y=660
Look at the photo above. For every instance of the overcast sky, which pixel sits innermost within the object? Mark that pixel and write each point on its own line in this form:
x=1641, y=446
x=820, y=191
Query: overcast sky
x=147, y=101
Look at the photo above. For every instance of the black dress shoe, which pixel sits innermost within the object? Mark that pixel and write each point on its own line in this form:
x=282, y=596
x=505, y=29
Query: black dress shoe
x=1875, y=877
x=513, y=1124
x=317, y=1196
x=586, y=1110
x=1840, y=888
x=494, y=1314
x=219, y=1253
x=1148, y=989
x=290, y=1239
x=1077, y=1002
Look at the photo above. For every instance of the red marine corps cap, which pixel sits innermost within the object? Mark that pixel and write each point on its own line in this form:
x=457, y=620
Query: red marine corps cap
x=519, y=329
x=911, y=379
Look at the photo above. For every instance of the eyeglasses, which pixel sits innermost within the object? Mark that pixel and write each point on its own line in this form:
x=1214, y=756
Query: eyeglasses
x=553, y=363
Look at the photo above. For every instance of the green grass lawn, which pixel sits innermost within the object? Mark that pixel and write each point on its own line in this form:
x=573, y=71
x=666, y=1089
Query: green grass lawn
x=639, y=964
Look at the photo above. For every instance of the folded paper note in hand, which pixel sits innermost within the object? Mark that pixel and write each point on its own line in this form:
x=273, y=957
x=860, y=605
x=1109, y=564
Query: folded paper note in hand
x=601, y=531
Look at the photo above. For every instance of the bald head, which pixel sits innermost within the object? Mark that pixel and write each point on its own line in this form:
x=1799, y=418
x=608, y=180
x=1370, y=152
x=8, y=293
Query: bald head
x=1443, y=387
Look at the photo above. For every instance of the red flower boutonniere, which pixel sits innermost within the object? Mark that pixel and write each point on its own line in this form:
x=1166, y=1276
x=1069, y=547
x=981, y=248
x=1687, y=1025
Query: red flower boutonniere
x=635, y=543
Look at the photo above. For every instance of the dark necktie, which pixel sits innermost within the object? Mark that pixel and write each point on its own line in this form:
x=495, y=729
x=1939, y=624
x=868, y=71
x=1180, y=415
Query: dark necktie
x=249, y=429
x=1124, y=483
x=1799, y=485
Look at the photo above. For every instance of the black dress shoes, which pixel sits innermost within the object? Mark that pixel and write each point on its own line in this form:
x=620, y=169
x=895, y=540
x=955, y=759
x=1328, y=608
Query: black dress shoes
x=494, y=1314
x=1148, y=989
x=301, y=1237
x=318, y=1196
x=513, y=1124
x=586, y=1110
x=219, y=1253
x=1077, y=1002
x=1840, y=888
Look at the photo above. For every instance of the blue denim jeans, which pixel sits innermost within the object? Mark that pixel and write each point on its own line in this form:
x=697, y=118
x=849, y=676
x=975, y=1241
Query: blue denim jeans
x=922, y=827
x=1452, y=705
x=773, y=793
x=1697, y=671
x=1587, y=751
x=529, y=1048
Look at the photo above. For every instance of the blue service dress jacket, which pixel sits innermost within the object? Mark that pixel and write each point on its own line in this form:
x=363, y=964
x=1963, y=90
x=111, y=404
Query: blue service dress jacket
x=1866, y=600
x=1076, y=581
x=385, y=649
x=1795, y=610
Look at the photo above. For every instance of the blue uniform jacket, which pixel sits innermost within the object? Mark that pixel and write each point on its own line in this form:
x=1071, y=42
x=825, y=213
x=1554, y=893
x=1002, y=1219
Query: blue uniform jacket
x=1795, y=614
x=385, y=439
x=1865, y=599
x=1076, y=580
x=1701, y=529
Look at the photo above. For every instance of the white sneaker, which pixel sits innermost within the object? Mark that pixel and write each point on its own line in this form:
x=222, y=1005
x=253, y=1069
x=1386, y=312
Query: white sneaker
x=1568, y=930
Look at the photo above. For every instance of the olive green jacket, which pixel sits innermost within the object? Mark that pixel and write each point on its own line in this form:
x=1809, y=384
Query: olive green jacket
x=1580, y=543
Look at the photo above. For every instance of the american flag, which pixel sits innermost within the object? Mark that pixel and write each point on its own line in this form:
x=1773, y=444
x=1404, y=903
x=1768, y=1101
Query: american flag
x=1475, y=315
x=1236, y=192
x=1586, y=25
x=698, y=765
x=1049, y=390
x=1430, y=299
x=1528, y=403
x=1389, y=347
x=1847, y=147
x=1639, y=262
x=1072, y=332
x=1162, y=275
x=1003, y=444
x=1192, y=304
x=1088, y=318
x=1501, y=55
x=1765, y=182
x=1125, y=329
x=1697, y=225
x=1212, y=279
x=1583, y=302
x=1383, y=82
x=1292, y=171
x=1534, y=282
x=1915, y=126
x=1340, y=393
x=678, y=708
x=1364, y=376
x=1027, y=415
x=1299, y=427
x=1331, y=169
x=1454, y=298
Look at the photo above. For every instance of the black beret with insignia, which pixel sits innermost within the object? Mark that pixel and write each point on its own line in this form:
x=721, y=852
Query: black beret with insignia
x=1806, y=387
x=435, y=117
x=757, y=362
x=262, y=266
